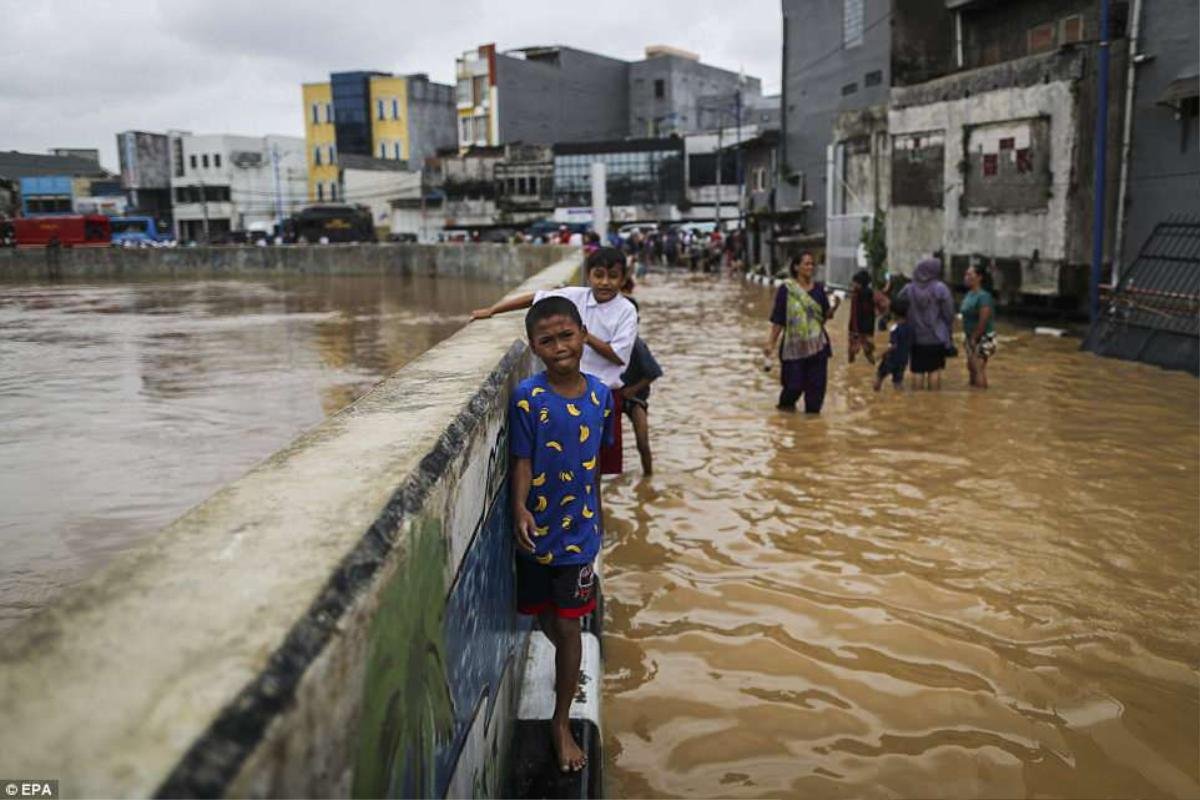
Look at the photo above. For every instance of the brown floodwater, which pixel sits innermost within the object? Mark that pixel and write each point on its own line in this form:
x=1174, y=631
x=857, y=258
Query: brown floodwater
x=952, y=594
x=124, y=404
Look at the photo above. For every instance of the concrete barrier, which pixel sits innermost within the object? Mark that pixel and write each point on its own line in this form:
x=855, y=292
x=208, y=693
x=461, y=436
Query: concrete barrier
x=340, y=621
x=498, y=262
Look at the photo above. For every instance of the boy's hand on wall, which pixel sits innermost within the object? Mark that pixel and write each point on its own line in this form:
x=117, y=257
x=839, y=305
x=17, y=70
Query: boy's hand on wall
x=523, y=528
x=481, y=313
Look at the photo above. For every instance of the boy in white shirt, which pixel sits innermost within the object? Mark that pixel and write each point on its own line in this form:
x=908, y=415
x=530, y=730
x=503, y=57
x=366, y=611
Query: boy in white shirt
x=610, y=325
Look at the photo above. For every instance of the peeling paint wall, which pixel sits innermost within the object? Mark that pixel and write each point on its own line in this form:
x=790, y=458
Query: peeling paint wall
x=915, y=231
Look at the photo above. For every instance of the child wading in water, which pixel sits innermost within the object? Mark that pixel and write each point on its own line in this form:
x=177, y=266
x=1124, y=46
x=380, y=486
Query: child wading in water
x=643, y=370
x=558, y=420
x=900, y=342
x=610, y=330
x=862, y=317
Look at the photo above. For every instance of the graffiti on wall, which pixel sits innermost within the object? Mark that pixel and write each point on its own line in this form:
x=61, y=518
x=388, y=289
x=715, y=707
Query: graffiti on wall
x=441, y=682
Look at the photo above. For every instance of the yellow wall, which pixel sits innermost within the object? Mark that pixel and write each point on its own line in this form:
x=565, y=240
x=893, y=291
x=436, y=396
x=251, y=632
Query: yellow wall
x=319, y=135
x=389, y=131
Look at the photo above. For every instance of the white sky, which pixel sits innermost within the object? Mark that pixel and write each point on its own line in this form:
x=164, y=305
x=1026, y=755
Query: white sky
x=75, y=72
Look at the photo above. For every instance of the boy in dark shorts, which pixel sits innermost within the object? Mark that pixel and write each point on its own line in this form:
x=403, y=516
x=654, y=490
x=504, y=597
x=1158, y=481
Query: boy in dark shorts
x=558, y=420
x=642, y=371
x=900, y=342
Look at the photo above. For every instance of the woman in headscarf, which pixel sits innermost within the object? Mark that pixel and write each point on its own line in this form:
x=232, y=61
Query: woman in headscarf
x=801, y=310
x=931, y=313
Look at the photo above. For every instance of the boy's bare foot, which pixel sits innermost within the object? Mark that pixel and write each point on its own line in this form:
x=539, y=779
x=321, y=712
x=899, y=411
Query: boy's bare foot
x=570, y=757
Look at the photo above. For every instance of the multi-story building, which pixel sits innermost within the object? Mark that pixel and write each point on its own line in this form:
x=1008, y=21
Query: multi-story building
x=545, y=95
x=222, y=183
x=539, y=95
x=146, y=172
x=374, y=114
x=671, y=91
x=60, y=184
x=644, y=179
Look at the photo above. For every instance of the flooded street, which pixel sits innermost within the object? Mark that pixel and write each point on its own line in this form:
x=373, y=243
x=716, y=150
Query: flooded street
x=124, y=404
x=956, y=594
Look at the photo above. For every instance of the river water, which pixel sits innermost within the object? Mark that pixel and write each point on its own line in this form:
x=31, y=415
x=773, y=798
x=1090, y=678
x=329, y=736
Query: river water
x=124, y=404
x=954, y=594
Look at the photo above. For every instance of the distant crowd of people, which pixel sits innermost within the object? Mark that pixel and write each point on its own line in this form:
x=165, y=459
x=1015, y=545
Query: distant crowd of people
x=919, y=318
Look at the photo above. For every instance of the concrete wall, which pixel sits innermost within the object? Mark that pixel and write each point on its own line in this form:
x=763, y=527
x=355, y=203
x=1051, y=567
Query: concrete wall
x=815, y=76
x=915, y=231
x=498, y=262
x=692, y=91
x=337, y=622
x=432, y=119
x=585, y=97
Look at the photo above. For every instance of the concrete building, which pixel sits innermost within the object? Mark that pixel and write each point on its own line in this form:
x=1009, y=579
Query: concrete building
x=836, y=61
x=993, y=160
x=222, y=183
x=375, y=183
x=373, y=114
x=1163, y=166
x=715, y=172
x=644, y=179
x=671, y=91
x=58, y=184
x=146, y=172
x=539, y=95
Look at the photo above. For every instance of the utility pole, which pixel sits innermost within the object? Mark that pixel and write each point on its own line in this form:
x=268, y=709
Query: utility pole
x=738, y=152
x=278, y=195
x=1098, y=201
x=204, y=205
x=720, y=130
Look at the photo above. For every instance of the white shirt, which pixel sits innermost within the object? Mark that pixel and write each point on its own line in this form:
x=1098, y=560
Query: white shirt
x=614, y=322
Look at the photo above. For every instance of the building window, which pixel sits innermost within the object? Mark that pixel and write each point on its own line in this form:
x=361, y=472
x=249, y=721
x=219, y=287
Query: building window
x=333, y=191
x=395, y=108
x=316, y=113
x=396, y=147
x=379, y=108
x=320, y=191
x=332, y=155
x=873, y=78
x=329, y=112
x=317, y=155
x=1071, y=29
x=479, y=89
x=849, y=88
x=852, y=23
x=204, y=160
x=660, y=89
x=463, y=91
x=217, y=160
x=383, y=149
x=192, y=160
x=1041, y=38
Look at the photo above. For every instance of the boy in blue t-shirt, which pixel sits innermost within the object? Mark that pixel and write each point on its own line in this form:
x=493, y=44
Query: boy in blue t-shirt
x=558, y=421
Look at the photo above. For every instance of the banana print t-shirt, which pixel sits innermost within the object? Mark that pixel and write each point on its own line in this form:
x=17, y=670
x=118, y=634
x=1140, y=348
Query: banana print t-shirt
x=561, y=436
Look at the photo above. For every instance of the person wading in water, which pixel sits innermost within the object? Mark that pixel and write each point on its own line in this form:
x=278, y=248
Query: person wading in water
x=801, y=310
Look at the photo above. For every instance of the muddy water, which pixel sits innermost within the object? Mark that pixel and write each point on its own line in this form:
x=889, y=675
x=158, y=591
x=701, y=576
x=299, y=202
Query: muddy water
x=914, y=595
x=125, y=404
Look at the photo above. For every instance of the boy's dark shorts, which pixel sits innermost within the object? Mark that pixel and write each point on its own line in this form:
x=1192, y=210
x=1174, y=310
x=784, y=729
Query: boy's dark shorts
x=569, y=590
x=894, y=367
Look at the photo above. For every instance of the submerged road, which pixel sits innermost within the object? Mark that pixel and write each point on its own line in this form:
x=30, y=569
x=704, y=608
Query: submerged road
x=954, y=594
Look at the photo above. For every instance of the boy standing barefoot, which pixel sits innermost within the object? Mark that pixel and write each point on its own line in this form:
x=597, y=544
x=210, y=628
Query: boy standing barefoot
x=558, y=420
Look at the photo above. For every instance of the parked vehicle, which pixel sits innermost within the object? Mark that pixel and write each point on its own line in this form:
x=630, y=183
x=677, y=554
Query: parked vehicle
x=333, y=223
x=63, y=230
x=137, y=232
x=546, y=228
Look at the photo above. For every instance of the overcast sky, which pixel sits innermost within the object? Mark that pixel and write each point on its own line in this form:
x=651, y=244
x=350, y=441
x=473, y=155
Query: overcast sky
x=75, y=72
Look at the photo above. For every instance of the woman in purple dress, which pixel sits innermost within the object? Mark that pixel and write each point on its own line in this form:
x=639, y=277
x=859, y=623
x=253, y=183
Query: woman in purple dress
x=801, y=310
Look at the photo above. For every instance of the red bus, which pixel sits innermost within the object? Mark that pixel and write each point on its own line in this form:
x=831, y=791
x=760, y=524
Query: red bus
x=68, y=230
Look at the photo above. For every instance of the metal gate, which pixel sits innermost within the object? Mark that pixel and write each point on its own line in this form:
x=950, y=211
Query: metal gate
x=1153, y=315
